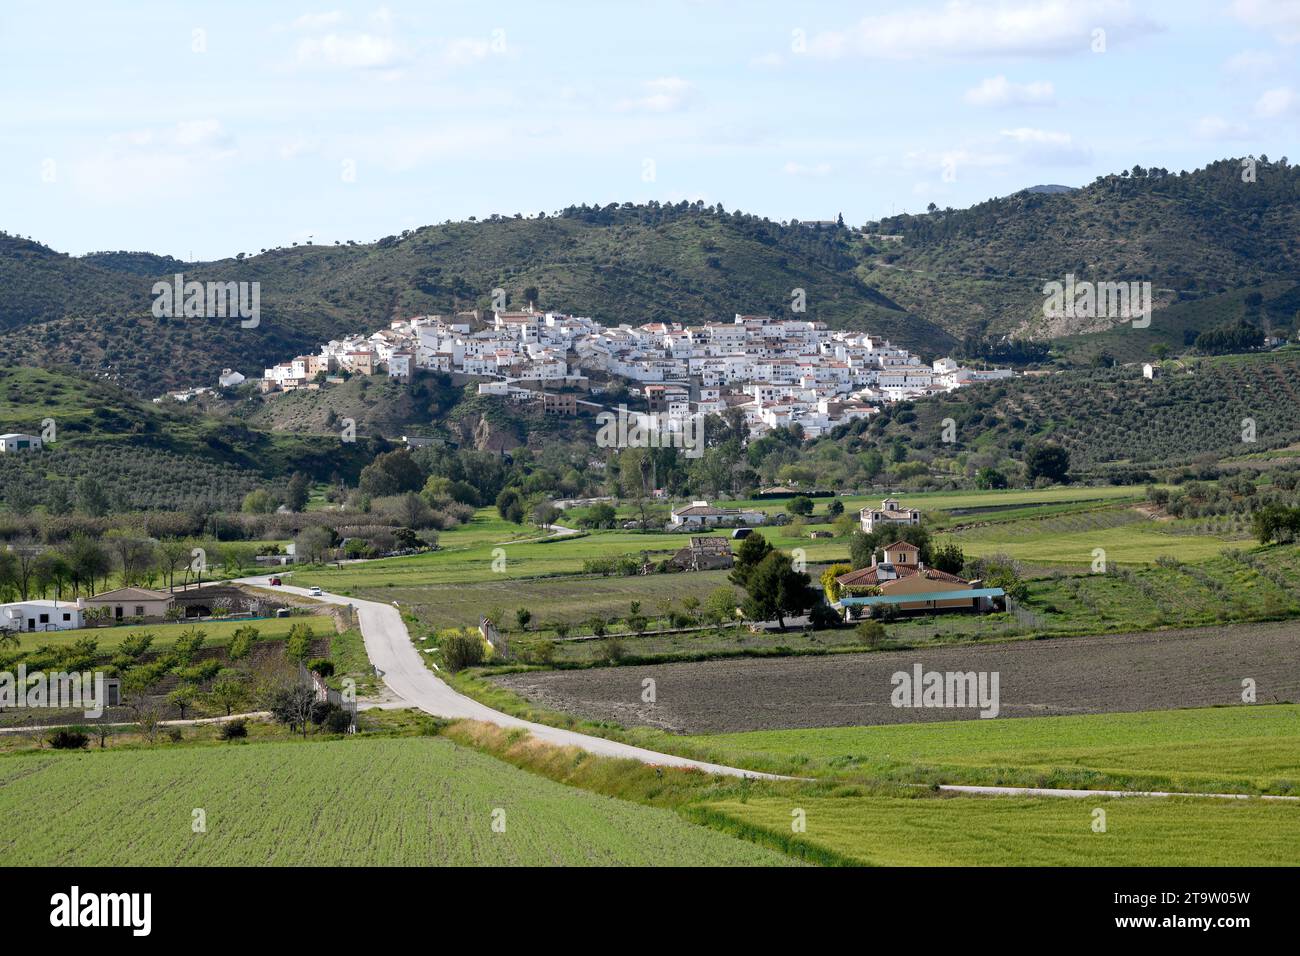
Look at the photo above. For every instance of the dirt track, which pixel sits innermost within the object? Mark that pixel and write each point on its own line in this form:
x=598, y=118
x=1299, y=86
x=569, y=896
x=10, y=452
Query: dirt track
x=1123, y=672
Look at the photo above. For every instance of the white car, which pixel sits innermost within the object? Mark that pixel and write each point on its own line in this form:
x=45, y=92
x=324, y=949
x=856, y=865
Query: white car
x=314, y=591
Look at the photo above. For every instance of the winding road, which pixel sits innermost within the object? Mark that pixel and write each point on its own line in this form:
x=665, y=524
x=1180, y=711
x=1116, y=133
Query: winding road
x=388, y=644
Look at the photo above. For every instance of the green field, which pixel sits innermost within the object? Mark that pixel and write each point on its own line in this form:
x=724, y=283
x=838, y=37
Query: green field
x=1011, y=831
x=372, y=802
x=164, y=635
x=1241, y=748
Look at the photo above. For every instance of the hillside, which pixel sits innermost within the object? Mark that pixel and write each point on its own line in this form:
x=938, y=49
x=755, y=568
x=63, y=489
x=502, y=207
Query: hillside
x=1112, y=421
x=619, y=264
x=165, y=456
x=1192, y=235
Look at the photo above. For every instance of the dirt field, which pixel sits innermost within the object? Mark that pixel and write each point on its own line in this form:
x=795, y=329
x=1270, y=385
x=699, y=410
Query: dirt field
x=1122, y=672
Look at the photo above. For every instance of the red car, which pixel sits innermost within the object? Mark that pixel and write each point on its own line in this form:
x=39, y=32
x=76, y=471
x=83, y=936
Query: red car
x=275, y=582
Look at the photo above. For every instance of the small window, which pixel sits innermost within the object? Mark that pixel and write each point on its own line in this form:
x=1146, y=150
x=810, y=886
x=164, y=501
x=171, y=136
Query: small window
x=139, y=610
x=67, y=616
x=45, y=619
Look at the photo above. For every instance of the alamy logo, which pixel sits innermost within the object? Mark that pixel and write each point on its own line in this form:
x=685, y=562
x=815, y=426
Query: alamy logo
x=73, y=909
x=208, y=300
x=624, y=429
x=955, y=689
x=58, y=690
x=1098, y=300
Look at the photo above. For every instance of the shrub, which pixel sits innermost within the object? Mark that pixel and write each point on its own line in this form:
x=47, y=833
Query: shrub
x=460, y=649
x=69, y=738
x=871, y=633
x=536, y=651
x=338, y=721
x=322, y=666
x=175, y=735
x=233, y=730
x=612, y=650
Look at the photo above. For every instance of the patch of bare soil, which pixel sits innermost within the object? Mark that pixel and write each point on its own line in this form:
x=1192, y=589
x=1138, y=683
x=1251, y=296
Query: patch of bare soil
x=1161, y=670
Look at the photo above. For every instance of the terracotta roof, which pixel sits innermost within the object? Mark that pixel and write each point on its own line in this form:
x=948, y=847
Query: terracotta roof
x=866, y=577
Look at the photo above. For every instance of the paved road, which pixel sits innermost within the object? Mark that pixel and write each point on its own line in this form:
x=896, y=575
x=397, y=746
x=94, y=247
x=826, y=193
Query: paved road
x=389, y=647
x=1059, y=792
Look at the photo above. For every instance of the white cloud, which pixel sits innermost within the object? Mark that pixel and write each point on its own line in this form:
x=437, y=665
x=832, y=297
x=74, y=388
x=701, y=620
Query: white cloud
x=1276, y=102
x=999, y=91
x=167, y=161
x=800, y=169
x=1250, y=63
x=1280, y=17
x=768, y=61
x=348, y=50
x=1048, y=146
x=1216, y=127
x=318, y=21
x=664, y=95
x=973, y=29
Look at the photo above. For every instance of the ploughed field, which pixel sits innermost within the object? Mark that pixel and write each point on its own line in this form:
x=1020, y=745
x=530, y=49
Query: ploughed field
x=365, y=802
x=1202, y=667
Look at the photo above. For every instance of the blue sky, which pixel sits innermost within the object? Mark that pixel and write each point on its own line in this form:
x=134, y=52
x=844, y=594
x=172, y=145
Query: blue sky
x=206, y=129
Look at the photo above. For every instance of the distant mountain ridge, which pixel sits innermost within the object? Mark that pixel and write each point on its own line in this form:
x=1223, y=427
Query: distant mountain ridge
x=957, y=276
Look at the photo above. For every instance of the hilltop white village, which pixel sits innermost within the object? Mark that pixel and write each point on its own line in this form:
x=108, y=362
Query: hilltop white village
x=777, y=372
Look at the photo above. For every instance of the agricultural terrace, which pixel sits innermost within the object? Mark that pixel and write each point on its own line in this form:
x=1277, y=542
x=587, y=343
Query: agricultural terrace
x=217, y=633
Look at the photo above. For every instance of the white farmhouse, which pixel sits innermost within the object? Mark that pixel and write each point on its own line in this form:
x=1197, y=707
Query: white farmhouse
x=40, y=616
x=15, y=441
x=889, y=512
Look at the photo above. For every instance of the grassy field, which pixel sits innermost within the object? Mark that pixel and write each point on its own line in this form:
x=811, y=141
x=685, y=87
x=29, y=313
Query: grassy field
x=1243, y=748
x=1006, y=831
x=164, y=635
x=382, y=802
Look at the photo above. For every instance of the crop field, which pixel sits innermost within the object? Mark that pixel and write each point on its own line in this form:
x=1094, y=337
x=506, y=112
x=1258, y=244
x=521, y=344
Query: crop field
x=1240, y=749
x=1011, y=831
x=164, y=635
x=382, y=802
x=949, y=500
x=1072, y=540
x=574, y=598
x=1114, y=673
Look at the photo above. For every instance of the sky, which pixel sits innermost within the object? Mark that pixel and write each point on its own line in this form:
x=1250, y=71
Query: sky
x=201, y=130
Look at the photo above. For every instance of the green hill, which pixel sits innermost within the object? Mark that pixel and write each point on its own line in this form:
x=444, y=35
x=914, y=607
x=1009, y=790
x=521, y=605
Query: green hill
x=619, y=264
x=1192, y=235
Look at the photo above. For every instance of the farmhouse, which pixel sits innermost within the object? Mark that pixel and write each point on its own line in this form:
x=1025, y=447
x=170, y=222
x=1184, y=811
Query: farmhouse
x=704, y=554
x=40, y=616
x=901, y=580
x=889, y=512
x=126, y=603
x=701, y=514
x=14, y=441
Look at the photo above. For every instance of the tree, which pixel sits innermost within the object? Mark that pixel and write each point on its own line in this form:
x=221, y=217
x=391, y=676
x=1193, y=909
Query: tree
x=182, y=698
x=26, y=555
x=292, y=706
x=753, y=549
x=91, y=497
x=776, y=590
x=1047, y=460
x=228, y=692
x=948, y=558
x=989, y=478
x=259, y=501
x=391, y=473
x=800, y=505
x=313, y=544
x=829, y=585
x=241, y=642
x=509, y=506
x=298, y=493
x=835, y=508
x=522, y=617
x=297, y=646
